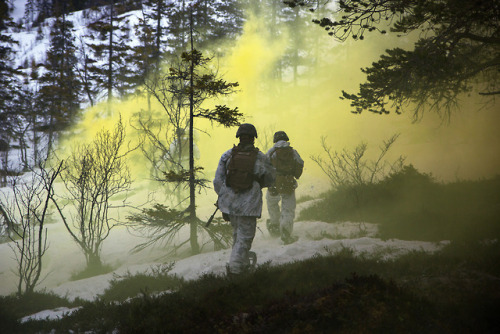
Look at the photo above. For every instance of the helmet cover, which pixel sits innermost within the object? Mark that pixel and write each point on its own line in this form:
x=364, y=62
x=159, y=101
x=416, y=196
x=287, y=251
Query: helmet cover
x=280, y=135
x=246, y=129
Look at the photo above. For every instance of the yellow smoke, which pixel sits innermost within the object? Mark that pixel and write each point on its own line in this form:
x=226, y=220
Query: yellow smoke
x=308, y=107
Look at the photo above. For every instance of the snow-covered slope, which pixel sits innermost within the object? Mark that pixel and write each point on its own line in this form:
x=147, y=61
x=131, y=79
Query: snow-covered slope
x=64, y=258
x=315, y=238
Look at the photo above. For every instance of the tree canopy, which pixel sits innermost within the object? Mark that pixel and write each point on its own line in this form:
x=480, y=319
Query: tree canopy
x=457, y=52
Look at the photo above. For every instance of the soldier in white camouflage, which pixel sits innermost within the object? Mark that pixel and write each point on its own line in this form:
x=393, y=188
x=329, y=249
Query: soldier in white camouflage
x=289, y=166
x=241, y=174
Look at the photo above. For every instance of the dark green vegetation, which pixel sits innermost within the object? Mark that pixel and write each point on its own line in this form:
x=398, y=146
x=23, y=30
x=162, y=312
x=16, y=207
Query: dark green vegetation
x=454, y=290
x=412, y=206
x=12, y=308
x=456, y=52
x=128, y=286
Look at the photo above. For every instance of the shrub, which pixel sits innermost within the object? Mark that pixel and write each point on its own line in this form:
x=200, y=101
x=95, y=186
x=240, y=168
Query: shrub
x=411, y=205
x=129, y=286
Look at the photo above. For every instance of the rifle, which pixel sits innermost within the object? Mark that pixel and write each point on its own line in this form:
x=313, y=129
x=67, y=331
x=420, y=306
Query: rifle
x=213, y=214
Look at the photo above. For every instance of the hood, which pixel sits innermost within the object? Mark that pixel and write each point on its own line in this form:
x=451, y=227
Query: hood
x=281, y=143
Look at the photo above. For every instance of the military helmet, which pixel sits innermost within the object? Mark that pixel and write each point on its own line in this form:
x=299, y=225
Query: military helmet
x=246, y=129
x=280, y=135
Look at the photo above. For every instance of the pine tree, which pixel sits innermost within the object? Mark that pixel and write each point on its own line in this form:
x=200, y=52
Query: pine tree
x=8, y=88
x=87, y=77
x=215, y=21
x=230, y=20
x=7, y=72
x=60, y=86
x=110, y=45
x=455, y=56
x=181, y=92
x=44, y=8
x=290, y=22
x=152, y=34
x=28, y=131
x=29, y=11
x=201, y=86
x=295, y=23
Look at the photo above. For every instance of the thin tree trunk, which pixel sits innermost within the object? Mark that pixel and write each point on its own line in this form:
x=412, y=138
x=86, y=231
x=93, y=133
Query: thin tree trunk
x=51, y=136
x=35, y=141
x=110, y=59
x=195, y=248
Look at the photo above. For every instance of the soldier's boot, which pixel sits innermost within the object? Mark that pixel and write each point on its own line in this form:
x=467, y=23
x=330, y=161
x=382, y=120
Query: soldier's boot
x=274, y=229
x=287, y=238
x=229, y=273
x=252, y=257
x=252, y=263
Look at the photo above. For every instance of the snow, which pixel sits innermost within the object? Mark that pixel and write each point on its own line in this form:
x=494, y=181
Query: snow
x=63, y=258
x=315, y=238
x=54, y=314
x=268, y=250
x=18, y=11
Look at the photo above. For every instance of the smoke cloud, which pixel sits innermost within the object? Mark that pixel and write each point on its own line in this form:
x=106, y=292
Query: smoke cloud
x=306, y=105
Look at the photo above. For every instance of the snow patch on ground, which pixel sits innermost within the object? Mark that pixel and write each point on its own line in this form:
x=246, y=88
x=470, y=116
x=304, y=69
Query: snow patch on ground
x=54, y=314
x=315, y=238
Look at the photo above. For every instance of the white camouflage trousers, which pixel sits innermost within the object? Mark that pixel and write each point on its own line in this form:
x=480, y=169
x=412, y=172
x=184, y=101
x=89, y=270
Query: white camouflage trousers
x=284, y=216
x=243, y=234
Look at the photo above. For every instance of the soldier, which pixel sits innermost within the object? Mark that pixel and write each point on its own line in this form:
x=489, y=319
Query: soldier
x=289, y=166
x=241, y=174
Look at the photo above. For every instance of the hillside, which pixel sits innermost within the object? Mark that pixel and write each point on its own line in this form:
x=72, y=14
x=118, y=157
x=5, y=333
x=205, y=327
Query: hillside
x=405, y=254
x=347, y=285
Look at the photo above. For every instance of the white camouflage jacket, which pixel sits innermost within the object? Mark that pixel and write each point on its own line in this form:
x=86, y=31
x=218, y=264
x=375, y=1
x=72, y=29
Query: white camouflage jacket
x=247, y=203
x=284, y=143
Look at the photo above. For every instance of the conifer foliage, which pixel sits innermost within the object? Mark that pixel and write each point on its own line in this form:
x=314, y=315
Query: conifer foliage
x=110, y=35
x=189, y=82
x=59, y=95
x=214, y=21
x=181, y=92
x=152, y=33
x=8, y=89
x=457, y=52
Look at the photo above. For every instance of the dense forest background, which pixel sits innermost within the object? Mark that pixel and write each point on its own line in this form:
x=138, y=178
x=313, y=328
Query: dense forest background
x=43, y=96
x=52, y=71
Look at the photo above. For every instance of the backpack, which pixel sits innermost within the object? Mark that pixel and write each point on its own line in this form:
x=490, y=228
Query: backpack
x=286, y=170
x=239, y=176
x=283, y=160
